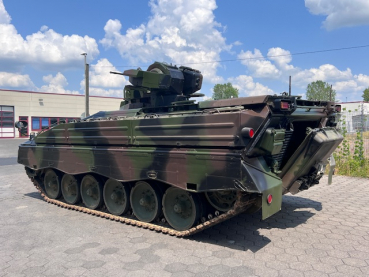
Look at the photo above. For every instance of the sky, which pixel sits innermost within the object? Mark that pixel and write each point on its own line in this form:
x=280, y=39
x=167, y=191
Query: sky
x=255, y=45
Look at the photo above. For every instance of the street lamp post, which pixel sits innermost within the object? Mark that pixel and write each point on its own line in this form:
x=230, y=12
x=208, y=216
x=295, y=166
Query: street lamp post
x=87, y=93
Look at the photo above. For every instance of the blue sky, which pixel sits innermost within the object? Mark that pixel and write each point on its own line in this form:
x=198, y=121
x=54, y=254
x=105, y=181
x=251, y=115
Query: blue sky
x=41, y=42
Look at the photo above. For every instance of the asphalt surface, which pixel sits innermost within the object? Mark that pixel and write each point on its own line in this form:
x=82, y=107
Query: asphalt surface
x=320, y=232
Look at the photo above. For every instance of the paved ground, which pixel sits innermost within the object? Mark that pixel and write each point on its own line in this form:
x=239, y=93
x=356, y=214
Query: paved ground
x=321, y=232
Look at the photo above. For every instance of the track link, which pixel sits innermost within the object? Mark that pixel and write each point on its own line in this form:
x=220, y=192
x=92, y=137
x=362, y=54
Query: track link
x=243, y=201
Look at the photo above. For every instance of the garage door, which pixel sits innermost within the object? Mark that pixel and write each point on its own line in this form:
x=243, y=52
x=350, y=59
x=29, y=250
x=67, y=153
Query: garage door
x=6, y=122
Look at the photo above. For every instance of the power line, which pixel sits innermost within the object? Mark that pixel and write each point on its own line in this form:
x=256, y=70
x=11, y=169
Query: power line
x=256, y=58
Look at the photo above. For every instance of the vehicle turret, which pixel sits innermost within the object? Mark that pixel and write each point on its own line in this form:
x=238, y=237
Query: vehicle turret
x=160, y=85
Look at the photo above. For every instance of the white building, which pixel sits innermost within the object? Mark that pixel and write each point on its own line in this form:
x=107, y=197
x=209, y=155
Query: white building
x=355, y=115
x=40, y=109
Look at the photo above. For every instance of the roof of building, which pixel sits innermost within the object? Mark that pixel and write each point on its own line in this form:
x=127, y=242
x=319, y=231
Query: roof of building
x=66, y=94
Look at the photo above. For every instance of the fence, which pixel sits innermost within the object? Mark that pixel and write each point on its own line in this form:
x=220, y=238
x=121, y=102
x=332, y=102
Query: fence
x=355, y=127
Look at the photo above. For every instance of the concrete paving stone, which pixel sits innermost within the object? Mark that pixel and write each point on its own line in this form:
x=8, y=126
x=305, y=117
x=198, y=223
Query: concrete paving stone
x=315, y=229
x=295, y=251
x=93, y=264
x=266, y=272
x=359, y=254
x=76, y=271
x=336, y=237
x=325, y=268
x=266, y=257
x=287, y=257
x=313, y=273
x=291, y=239
x=316, y=252
x=157, y=266
x=272, y=250
x=347, y=269
x=254, y=263
x=197, y=268
x=362, y=248
x=34, y=271
x=301, y=266
x=204, y=274
x=109, y=251
x=291, y=272
x=222, y=254
x=15, y=275
x=339, y=274
x=175, y=267
x=232, y=262
x=209, y=261
x=159, y=274
x=138, y=273
x=220, y=270
x=344, y=247
x=189, y=260
x=277, y=265
x=241, y=271
x=308, y=258
x=355, y=262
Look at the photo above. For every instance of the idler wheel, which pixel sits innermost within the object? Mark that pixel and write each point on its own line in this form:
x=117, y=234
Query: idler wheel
x=70, y=189
x=222, y=200
x=91, y=192
x=116, y=197
x=146, y=201
x=52, y=184
x=181, y=208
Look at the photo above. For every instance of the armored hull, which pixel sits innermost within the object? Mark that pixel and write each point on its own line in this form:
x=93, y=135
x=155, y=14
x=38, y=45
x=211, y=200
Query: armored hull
x=180, y=166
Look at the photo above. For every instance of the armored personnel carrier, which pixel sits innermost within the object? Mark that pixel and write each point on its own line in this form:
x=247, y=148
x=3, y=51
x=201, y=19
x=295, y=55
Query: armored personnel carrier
x=167, y=163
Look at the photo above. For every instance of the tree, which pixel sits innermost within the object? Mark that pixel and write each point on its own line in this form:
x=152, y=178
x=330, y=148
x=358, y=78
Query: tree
x=366, y=94
x=320, y=90
x=224, y=91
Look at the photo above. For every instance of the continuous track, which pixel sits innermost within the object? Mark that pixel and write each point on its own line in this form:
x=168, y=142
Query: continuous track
x=243, y=201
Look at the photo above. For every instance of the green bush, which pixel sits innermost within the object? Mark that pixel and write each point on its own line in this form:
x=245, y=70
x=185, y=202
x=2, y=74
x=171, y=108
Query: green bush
x=350, y=163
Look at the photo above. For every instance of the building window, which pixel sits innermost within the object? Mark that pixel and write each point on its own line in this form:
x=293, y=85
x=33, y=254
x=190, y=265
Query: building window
x=40, y=123
x=7, y=122
x=45, y=123
x=35, y=123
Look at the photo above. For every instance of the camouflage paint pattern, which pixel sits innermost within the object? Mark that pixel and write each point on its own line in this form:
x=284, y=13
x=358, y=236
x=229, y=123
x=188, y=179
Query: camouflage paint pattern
x=196, y=147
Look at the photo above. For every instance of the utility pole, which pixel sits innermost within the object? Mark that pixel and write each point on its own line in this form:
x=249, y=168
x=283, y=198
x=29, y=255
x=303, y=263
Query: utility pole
x=87, y=92
x=289, y=87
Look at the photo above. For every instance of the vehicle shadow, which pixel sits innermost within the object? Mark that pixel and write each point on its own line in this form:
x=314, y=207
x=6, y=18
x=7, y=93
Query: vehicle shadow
x=242, y=231
x=34, y=194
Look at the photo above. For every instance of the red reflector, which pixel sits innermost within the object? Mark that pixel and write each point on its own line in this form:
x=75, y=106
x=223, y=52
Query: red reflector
x=247, y=132
x=270, y=199
x=285, y=105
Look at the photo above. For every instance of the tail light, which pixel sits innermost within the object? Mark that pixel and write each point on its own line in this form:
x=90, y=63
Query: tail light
x=285, y=105
x=247, y=132
x=269, y=199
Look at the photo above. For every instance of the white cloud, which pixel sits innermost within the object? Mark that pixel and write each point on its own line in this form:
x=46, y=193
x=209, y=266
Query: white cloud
x=45, y=49
x=340, y=13
x=106, y=92
x=102, y=83
x=259, y=67
x=4, y=16
x=281, y=57
x=179, y=32
x=247, y=86
x=56, y=84
x=14, y=80
x=100, y=76
x=279, y=65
